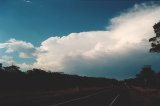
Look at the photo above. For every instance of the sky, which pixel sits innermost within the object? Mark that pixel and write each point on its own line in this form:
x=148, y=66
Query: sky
x=100, y=38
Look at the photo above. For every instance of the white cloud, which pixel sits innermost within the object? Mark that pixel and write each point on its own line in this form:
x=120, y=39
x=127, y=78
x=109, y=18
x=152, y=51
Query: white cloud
x=27, y=1
x=122, y=46
x=6, y=60
x=24, y=49
x=127, y=36
x=24, y=66
x=9, y=60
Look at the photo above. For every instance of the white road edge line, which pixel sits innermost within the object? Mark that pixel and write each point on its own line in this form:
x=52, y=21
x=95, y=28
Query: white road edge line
x=114, y=100
x=84, y=97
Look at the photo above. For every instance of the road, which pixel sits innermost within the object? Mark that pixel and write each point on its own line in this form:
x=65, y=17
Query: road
x=114, y=96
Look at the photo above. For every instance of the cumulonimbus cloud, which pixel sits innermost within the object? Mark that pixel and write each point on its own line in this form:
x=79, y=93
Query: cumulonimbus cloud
x=126, y=36
x=122, y=46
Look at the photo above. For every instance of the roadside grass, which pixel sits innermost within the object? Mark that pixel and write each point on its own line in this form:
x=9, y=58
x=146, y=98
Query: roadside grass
x=145, y=97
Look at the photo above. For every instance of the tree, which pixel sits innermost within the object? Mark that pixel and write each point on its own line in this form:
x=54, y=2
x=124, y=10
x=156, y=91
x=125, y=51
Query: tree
x=1, y=67
x=147, y=76
x=36, y=71
x=12, y=68
x=155, y=41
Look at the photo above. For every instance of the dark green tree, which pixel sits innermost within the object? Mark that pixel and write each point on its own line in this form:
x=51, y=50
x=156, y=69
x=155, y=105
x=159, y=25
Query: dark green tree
x=155, y=41
x=36, y=71
x=147, y=77
x=12, y=68
x=0, y=65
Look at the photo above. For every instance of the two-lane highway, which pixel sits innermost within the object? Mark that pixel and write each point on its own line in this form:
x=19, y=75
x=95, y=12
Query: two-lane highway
x=108, y=97
x=111, y=96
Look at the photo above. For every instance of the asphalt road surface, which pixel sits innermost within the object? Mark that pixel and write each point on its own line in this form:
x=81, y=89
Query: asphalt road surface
x=117, y=96
x=112, y=97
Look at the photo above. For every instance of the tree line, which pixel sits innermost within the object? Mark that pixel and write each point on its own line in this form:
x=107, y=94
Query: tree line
x=12, y=78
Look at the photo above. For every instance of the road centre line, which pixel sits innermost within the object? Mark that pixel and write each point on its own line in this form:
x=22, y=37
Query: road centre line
x=72, y=100
x=113, y=101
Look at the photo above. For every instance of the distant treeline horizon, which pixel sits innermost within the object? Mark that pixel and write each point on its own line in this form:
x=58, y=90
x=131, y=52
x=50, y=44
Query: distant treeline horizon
x=12, y=78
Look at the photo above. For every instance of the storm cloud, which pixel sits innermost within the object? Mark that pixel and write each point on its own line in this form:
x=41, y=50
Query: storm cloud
x=119, y=51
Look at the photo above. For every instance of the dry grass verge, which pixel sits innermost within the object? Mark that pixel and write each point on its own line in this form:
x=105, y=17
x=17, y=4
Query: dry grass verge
x=145, y=97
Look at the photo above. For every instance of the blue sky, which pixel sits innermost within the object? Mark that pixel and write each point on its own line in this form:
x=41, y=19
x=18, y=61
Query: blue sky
x=40, y=19
x=79, y=36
